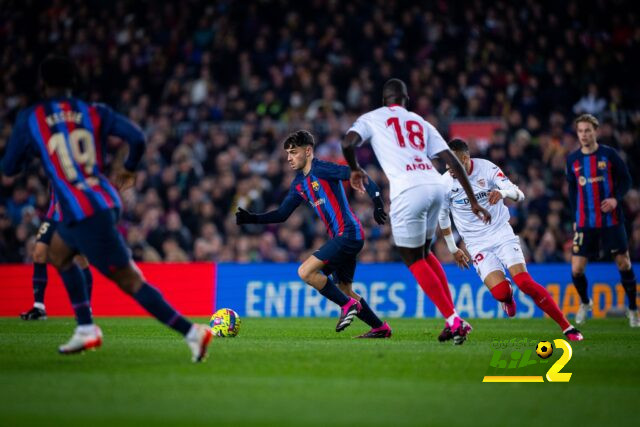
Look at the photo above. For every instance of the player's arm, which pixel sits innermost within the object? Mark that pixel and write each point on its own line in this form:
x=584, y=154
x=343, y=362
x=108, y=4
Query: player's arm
x=573, y=189
x=373, y=191
x=118, y=125
x=289, y=204
x=452, y=161
x=17, y=151
x=506, y=188
x=622, y=183
x=358, y=133
x=461, y=259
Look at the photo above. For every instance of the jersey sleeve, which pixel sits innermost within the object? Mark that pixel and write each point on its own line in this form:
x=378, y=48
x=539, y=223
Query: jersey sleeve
x=362, y=128
x=435, y=142
x=288, y=205
x=621, y=176
x=328, y=170
x=18, y=147
x=116, y=124
x=573, y=189
x=499, y=180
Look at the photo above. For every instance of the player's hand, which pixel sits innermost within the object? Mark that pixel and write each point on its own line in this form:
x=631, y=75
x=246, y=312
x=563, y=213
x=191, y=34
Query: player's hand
x=358, y=179
x=481, y=213
x=244, y=217
x=494, y=197
x=125, y=179
x=609, y=205
x=378, y=211
x=461, y=259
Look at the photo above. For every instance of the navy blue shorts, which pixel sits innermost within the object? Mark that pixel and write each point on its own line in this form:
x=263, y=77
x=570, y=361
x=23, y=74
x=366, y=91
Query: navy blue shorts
x=98, y=239
x=46, y=230
x=340, y=257
x=589, y=242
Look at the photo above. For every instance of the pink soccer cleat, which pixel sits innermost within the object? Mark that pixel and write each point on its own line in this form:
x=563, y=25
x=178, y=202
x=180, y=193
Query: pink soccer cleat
x=509, y=307
x=574, y=335
x=347, y=313
x=383, y=331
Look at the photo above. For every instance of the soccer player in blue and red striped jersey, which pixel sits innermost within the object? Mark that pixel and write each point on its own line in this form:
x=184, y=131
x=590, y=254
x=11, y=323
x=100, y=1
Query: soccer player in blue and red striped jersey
x=319, y=184
x=69, y=135
x=40, y=250
x=598, y=180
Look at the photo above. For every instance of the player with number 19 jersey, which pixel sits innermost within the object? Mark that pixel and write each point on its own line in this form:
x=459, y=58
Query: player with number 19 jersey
x=70, y=136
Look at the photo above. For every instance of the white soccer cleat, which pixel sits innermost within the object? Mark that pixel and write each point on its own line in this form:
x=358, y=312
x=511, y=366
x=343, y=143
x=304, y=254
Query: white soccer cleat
x=583, y=312
x=84, y=338
x=198, y=340
x=634, y=321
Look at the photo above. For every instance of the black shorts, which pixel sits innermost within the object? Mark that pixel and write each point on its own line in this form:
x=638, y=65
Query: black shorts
x=46, y=230
x=340, y=257
x=595, y=243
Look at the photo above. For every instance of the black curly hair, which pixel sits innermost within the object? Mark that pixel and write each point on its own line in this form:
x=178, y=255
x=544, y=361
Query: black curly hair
x=300, y=138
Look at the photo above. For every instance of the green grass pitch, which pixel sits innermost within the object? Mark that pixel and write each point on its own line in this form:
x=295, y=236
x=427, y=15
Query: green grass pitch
x=285, y=372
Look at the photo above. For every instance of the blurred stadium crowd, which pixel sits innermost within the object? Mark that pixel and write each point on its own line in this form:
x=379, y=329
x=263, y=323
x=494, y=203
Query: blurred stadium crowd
x=216, y=86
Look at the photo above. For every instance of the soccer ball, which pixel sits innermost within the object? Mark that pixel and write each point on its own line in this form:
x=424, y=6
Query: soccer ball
x=544, y=349
x=225, y=323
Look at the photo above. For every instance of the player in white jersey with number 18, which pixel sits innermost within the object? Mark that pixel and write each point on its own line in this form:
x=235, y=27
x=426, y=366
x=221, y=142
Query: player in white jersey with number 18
x=404, y=143
x=494, y=245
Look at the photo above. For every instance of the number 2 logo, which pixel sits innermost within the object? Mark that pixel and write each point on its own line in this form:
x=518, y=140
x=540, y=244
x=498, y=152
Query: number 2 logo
x=414, y=131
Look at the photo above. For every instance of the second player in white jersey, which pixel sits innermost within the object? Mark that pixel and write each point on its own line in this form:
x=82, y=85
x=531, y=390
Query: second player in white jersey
x=493, y=247
x=485, y=177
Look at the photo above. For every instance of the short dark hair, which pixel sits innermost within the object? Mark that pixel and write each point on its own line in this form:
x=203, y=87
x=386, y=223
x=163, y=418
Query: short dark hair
x=457, y=144
x=394, y=89
x=58, y=72
x=300, y=138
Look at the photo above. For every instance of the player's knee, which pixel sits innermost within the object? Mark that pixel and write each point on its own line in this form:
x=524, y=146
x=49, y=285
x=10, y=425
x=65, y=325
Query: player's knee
x=577, y=269
x=128, y=280
x=39, y=256
x=623, y=263
x=304, y=273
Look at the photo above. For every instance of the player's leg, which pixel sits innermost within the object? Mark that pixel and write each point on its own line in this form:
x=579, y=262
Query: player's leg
x=310, y=271
x=501, y=290
x=409, y=225
x=628, y=280
x=436, y=266
x=344, y=273
x=543, y=299
x=39, y=280
x=83, y=263
x=99, y=240
x=585, y=244
x=615, y=241
x=61, y=253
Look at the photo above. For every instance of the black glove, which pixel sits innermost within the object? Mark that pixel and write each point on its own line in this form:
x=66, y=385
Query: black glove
x=245, y=217
x=378, y=211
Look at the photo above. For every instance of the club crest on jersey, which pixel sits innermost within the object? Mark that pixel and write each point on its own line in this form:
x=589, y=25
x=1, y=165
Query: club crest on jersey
x=315, y=185
x=482, y=182
x=582, y=181
x=602, y=164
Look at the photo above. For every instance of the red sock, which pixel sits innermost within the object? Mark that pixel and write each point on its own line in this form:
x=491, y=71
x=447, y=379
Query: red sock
x=437, y=268
x=430, y=284
x=502, y=291
x=541, y=297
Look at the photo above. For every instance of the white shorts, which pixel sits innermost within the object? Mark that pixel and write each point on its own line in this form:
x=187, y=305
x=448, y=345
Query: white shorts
x=414, y=215
x=505, y=252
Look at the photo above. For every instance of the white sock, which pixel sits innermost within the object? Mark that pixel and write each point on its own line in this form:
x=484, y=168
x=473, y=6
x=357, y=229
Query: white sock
x=451, y=318
x=86, y=329
x=192, y=334
x=38, y=305
x=568, y=329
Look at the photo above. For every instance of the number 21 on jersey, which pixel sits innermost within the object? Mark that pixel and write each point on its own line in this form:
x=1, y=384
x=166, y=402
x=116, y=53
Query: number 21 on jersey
x=412, y=129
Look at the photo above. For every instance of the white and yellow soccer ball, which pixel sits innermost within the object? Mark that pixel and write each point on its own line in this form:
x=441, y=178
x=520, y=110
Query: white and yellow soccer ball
x=544, y=349
x=225, y=323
